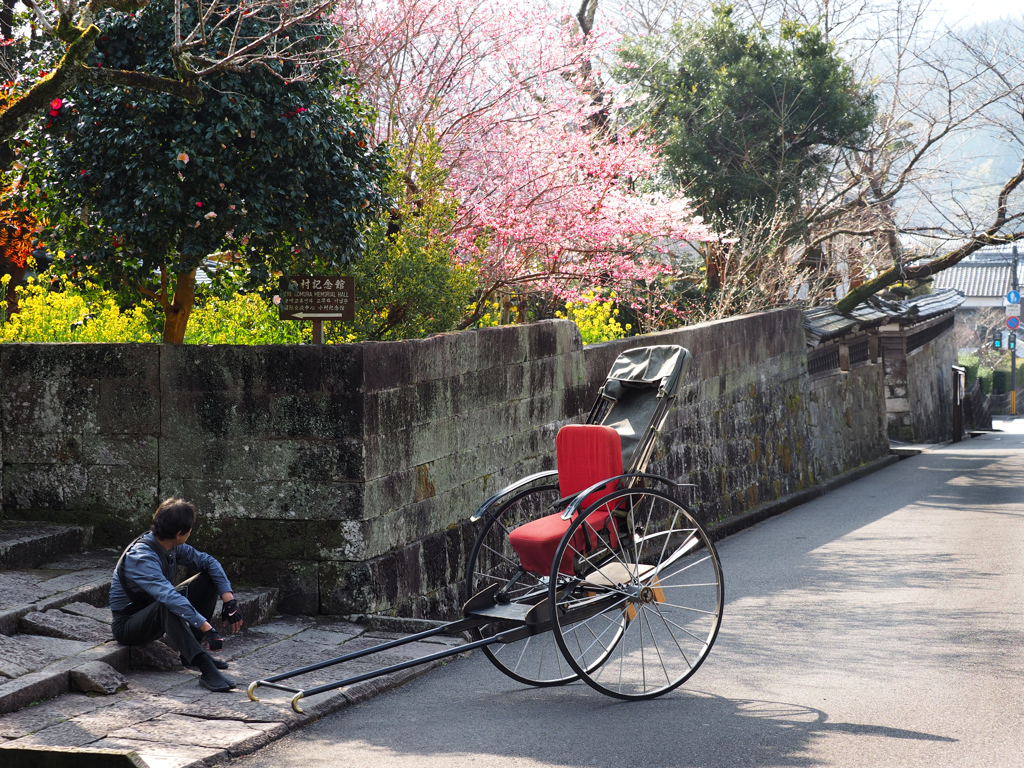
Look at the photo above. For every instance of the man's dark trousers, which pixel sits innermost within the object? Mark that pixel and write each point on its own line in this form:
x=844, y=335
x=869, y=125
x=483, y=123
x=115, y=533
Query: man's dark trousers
x=156, y=620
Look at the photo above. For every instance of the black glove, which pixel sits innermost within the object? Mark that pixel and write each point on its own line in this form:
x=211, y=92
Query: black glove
x=230, y=614
x=213, y=640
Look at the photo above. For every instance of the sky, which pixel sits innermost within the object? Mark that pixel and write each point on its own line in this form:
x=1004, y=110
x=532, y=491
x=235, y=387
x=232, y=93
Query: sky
x=974, y=11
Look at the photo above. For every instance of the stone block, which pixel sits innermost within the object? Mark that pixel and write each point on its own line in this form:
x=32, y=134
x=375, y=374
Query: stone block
x=52, y=406
x=262, y=459
x=122, y=491
x=257, y=605
x=387, y=365
x=296, y=580
x=93, y=612
x=316, y=415
x=18, y=657
x=78, y=361
x=67, y=626
x=128, y=406
x=43, y=449
x=243, y=414
x=235, y=736
x=23, y=691
x=97, y=677
x=28, y=545
x=18, y=724
x=279, y=500
x=40, y=486
x=277, y=540
x=120, y=450
x=157, y=655
x=165, y=755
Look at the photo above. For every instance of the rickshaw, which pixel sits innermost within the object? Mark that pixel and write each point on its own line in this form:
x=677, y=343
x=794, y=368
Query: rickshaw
x=592, y=571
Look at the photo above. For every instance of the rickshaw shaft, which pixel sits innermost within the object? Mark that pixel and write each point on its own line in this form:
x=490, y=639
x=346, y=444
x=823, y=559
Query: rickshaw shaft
x=455, y=626
x=405, y=664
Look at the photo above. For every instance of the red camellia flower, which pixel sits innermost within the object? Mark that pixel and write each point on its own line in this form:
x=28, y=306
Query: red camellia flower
x=56, y=104
x=81, y=173
x=199, y=205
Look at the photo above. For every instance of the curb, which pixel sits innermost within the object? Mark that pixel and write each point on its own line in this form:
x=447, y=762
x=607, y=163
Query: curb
x=784, y=504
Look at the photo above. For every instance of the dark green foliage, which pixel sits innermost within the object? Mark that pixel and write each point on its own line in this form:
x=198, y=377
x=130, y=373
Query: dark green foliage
x=1001, y=380
x=134, y=182
x=970, y=364
x=747, y=120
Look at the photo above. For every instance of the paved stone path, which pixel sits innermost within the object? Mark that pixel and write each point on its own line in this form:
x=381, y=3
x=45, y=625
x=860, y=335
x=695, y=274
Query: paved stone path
x=171, y=721
x=55, y=642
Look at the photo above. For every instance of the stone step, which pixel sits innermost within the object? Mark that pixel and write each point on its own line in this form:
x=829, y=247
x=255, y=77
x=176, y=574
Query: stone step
x=257, y=604
x=28, y=545
x=38, y=666
x=54, y=678
x=76, y=578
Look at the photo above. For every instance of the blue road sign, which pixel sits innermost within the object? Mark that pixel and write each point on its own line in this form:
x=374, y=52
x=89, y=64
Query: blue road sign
x=1013, y=297
x=1012, y=322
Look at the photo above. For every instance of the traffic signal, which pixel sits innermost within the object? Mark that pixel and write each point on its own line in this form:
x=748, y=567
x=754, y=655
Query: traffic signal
x=1012, y=342
x=997, y=340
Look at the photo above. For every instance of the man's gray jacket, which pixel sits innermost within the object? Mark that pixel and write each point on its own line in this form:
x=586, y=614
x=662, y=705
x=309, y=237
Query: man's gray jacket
x=143, y=567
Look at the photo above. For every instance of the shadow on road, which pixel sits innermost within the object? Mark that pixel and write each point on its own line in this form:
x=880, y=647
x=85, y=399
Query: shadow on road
x=573, y=727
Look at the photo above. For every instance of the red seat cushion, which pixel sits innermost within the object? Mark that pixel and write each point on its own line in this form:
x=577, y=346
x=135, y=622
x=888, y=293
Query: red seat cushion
x=587, y=454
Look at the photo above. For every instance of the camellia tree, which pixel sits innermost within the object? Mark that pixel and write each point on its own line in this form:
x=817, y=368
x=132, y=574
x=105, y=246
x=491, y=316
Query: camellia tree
x=67, y=33
x=138, y=187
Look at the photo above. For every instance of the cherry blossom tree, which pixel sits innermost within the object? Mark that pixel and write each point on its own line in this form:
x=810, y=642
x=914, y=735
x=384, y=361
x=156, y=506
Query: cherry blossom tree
x=552, y=197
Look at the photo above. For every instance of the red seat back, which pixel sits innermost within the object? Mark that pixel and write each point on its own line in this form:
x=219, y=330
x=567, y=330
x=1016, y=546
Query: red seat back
x=587, y=454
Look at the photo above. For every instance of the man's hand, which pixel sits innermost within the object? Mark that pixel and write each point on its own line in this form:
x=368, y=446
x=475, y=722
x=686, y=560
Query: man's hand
x=214, y=640
x=231, y=616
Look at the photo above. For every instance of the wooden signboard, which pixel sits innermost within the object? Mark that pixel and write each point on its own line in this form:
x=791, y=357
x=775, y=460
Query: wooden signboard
x=317, y=298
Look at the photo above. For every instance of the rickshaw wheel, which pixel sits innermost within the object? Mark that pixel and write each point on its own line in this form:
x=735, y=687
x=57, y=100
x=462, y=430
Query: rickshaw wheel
x=533, y=660
x=664, y=579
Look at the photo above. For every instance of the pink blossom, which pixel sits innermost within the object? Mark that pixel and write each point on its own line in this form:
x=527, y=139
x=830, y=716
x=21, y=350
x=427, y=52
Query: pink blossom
x=508, y=91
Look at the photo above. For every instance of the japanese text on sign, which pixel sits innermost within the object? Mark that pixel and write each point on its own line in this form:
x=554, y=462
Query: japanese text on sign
x=316, y=298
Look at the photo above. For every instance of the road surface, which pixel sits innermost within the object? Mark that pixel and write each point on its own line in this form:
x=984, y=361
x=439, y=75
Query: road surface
x=880, y=625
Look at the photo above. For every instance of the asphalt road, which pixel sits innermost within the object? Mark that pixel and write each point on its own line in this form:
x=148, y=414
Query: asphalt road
x=881, y=625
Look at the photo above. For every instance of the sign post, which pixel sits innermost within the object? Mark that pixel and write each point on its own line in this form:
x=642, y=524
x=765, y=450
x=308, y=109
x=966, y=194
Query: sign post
x=316, y=298
x=1013, y=300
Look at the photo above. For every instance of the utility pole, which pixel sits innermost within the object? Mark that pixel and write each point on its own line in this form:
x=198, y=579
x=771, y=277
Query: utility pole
x=1013, y=350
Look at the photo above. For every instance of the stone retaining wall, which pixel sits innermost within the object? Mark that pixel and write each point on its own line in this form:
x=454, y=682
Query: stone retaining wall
x=345, y=474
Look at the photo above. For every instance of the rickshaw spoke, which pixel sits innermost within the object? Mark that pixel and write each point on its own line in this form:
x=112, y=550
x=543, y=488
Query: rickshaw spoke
x=672, y=634
x=688, y=608
x=681, y=628
x=654, y=642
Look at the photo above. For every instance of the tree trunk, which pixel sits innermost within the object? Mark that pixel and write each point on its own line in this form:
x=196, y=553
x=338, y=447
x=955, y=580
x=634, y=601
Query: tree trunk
x=177, y=312
x=16, y=273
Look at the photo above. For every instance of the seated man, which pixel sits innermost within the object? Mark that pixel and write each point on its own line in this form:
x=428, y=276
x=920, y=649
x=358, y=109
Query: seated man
x=146, y=604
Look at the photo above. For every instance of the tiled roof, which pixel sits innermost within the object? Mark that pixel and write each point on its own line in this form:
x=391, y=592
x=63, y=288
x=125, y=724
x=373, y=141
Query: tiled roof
x=824, y=323
x=977, y=280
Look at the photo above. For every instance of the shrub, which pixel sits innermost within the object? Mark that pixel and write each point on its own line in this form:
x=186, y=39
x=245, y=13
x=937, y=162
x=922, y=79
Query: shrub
x=408, y=282
x=970, y=363
x=596, y=317
x=985, y=377
x=242, y=319
x=51, y=312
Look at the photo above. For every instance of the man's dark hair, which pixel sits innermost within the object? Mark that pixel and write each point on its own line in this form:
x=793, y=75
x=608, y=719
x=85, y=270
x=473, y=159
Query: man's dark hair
x=172, y=517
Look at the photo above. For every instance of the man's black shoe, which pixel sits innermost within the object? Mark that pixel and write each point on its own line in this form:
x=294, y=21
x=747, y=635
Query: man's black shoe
x=211, y=678
x=216, y=662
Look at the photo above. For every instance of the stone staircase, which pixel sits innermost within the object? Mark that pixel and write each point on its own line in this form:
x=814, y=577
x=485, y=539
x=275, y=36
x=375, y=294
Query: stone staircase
x=55, y=619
